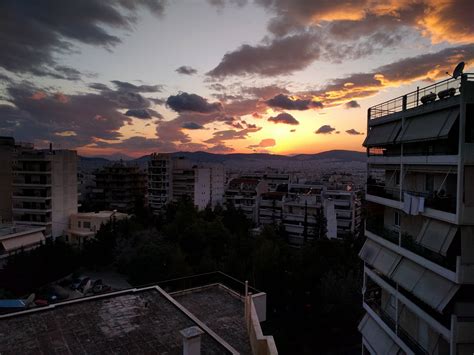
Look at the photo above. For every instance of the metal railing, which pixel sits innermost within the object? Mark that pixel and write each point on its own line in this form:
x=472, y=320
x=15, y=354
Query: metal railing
x=413, y=99
x=408, y=242
x=411, y=342
x=446, y=203
x=201, y=280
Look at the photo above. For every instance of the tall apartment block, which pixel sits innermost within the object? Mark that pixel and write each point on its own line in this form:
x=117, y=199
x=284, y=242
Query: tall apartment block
x=44, y=188
x=119, y=187
x=7, y=153
x=348, y=208
x=418, y=291
x=172, y=178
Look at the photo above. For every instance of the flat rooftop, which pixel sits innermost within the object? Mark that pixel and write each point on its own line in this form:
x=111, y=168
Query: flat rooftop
x=220, y=310
x=133, y=321
x=9, y=229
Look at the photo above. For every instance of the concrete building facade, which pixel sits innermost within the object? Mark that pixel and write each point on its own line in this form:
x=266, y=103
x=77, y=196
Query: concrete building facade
x=419, y=252
x=44, y=189
x=16, y=238
x=85, y=225
x=119, y=187
x=172, y=178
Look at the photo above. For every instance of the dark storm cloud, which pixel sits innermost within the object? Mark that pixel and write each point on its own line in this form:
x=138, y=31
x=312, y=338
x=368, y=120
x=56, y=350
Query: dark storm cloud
x=280, y=56
x=284, y=118
x=351, y=104
x=286, y=103
x=192, y=102
x=325, y=129
x=192, y=125
x=354, y=132
x=186, y=70
x=34, y=32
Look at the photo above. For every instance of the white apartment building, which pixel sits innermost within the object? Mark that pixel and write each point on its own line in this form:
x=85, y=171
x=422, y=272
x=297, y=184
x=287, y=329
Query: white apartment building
x=244, y=194
x=418, y=291
x=44, y=189
x=85, y=225
x=171, y=178
x=348, y=208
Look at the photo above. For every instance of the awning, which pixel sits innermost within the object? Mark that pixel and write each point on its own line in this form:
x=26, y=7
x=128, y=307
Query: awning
x=22, y=241
x=430, y=126
x=379, y=341
x=383, y=134
x=381, y=258
x=429, y=287
x=437, y=235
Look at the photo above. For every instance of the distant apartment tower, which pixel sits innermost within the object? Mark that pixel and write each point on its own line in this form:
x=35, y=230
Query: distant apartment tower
x=418, y=291
x=244, y=194
x=172, y=178
x=348, y=208
x=44, y=188
x=119, y=187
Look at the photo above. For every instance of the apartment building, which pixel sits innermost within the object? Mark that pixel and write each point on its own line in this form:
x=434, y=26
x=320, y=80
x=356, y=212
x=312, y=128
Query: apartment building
x=172, y=178
x=119, y=187
x=272, y=177
x=44, y=188
x=419, y=252
x=7, y=154
x=348, y=208
x=85, y=225
x=244, y=194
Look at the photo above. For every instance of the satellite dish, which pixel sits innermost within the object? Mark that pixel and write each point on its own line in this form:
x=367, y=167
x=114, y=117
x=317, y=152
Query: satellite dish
x=458, y=70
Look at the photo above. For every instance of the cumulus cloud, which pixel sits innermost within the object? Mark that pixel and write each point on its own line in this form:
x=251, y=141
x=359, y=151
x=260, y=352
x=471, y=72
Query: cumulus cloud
x=439, y=20
x=51, y=27
x=354, y=132
x=269, y=59
x=221, y=136
x=143, y=113
x=284, y=118
x=285, y=102
x=325, y=129
x=186, y=70
x=264, y=92
x=192, y=125
x=264, y=143
x=192, y=102
x=351, y=104
x=129, y=87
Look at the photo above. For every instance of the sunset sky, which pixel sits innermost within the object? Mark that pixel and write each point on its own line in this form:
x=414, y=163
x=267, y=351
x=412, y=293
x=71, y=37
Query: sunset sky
x=278, y=76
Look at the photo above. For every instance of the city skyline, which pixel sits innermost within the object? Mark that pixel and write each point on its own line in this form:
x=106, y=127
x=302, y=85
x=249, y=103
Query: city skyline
x=279, y=76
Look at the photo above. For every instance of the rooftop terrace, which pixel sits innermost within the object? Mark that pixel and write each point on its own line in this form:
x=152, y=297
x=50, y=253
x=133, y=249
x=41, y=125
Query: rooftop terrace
x=443, y=89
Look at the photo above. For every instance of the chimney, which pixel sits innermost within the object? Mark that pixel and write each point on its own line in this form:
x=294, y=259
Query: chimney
x=191, y=340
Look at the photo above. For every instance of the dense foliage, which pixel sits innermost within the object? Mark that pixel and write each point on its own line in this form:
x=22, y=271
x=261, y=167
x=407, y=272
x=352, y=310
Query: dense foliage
x=313, y=292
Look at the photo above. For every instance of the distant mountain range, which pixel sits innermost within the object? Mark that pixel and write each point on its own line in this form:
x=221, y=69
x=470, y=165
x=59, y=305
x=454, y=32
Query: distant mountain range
x=92, y=163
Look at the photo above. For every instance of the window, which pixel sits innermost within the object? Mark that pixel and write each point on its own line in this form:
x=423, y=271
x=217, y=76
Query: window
x=396, y=219
x=87, y=224
x=79, y=224
x=397, y=178
x=392, y=301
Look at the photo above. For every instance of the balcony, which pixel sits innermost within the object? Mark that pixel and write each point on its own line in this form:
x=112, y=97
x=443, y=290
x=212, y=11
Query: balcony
x=413, y=99
x=374, y=305
x=446, y=203
x=408, y=242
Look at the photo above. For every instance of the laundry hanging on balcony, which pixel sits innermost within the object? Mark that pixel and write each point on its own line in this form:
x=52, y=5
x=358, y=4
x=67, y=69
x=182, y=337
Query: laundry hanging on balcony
x=413, y=204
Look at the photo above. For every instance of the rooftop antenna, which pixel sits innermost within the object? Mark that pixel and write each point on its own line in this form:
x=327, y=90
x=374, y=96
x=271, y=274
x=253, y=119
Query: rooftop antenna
x=457, y=71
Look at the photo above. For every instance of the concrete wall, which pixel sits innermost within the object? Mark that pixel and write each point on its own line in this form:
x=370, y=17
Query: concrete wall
x=64, y=190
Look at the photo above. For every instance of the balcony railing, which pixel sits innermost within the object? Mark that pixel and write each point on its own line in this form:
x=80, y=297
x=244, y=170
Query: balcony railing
x=408, y=242
x=413, y=99
x=433, y=200
x=411, y=342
